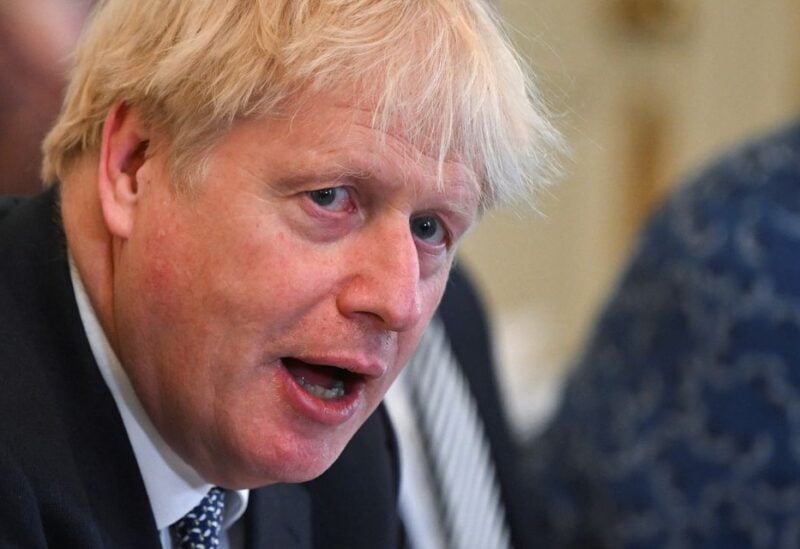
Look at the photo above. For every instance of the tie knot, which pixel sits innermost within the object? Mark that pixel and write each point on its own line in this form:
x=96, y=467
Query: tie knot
x=200, y=527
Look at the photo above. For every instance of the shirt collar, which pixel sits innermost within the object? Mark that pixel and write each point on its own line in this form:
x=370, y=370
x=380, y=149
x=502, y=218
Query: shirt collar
x=172, y=486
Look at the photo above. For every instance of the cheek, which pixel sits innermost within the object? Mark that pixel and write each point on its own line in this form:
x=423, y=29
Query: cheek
x=407, y=344
x=287, y=268
x=168, y=278
x=271, y=262
x=431, y=294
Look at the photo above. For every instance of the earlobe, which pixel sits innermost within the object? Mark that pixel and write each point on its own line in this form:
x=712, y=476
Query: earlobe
x=122, y=153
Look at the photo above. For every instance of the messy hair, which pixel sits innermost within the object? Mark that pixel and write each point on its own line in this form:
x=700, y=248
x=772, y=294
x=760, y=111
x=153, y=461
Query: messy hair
x=444, y=68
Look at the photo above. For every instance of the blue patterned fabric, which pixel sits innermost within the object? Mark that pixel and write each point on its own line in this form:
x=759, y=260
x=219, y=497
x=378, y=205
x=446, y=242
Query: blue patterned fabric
x=681, y=424
x=200, y=527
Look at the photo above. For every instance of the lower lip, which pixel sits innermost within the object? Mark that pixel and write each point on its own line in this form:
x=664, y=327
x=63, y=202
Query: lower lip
x=328, y=412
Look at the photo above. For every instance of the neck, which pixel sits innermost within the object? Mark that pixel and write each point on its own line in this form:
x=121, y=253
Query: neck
x=88, y=240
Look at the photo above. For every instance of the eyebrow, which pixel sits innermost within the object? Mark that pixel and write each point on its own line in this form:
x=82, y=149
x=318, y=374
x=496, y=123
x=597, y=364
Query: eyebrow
x=303, y=179
x=344, y=169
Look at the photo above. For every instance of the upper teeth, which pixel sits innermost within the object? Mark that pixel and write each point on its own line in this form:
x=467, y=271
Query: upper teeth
x=337, y=391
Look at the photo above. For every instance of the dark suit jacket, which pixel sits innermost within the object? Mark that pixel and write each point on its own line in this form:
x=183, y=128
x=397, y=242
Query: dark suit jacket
x=465, y=324
x=68, y=477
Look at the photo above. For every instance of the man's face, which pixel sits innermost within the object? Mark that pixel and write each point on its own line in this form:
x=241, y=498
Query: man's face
x=262, y=320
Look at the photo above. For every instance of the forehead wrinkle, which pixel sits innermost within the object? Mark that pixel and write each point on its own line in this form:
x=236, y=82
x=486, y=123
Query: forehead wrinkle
x=347, y=145
x=354, y=115
x=456, y=176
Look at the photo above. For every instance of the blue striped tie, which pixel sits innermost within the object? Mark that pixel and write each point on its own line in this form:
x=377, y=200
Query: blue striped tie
x=200, y=527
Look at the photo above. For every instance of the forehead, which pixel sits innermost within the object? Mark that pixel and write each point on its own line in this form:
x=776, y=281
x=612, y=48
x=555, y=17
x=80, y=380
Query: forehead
x=329, y=138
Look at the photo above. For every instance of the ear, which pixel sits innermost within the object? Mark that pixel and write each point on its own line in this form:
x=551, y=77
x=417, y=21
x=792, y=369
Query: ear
x=122, y=153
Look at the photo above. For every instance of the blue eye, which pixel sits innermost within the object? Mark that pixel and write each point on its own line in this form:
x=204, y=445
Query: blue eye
x=331, y=198
x=428, y=229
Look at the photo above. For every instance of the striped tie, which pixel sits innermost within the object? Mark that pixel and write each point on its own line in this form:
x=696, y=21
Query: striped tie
x=456, y=446
x=200, y=528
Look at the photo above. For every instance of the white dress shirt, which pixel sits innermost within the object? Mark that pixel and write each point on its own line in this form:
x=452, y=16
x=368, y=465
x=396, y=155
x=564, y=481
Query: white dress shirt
x=172, y=486
x=417, y=501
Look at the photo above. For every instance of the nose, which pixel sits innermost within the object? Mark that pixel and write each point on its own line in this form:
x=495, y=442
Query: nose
x=384, y=279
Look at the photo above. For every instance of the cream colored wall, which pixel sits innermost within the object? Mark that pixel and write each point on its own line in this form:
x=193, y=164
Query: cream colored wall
x=641, y=104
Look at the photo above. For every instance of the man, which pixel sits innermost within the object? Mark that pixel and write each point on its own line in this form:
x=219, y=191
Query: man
x=253, y=210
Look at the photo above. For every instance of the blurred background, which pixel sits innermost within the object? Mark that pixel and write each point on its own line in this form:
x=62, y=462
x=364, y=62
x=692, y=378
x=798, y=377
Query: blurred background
x=644, y=91
x=36, y=38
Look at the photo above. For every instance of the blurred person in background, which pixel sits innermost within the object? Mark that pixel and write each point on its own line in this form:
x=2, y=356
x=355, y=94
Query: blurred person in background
x=680, y=426
x=36, y=39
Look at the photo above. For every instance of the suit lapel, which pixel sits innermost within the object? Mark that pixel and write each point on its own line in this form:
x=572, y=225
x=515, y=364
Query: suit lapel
x=278, y=516
x=113, y=492
x=350, y=506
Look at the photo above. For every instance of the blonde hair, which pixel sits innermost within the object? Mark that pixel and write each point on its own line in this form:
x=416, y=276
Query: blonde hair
x=444, y=68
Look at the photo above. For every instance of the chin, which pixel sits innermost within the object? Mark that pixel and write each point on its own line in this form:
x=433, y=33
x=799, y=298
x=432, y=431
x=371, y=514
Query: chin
x=291, y=461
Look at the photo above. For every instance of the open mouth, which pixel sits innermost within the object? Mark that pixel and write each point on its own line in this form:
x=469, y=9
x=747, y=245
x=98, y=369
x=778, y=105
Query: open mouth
x=321, y=380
